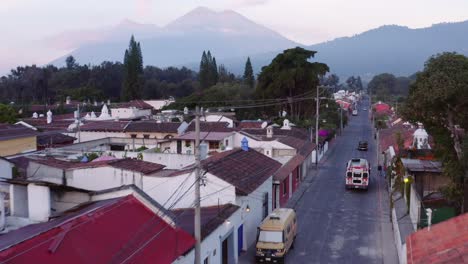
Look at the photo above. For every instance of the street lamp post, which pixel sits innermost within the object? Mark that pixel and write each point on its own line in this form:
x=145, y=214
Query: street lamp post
x=317, y=102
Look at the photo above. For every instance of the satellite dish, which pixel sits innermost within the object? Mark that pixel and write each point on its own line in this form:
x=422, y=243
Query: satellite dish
x=264, y=124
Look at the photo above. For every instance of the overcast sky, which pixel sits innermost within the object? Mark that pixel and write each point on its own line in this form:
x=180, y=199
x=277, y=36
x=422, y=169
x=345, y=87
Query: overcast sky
x=24, y=22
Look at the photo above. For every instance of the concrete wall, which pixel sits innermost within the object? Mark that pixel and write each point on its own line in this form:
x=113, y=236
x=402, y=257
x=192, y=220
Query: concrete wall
x=39, y=203
x=18, y=200
x=62, y=201
x=17, y=145
x=400, y=246
x=36, y=171
x=151, y=135
x=100, y=178
x=415, y=207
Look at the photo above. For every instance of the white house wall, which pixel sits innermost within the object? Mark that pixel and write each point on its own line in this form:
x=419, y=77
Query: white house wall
x=217, y=118
x=18, y=200
x=259, y=144
x=100, y=178
x=215, y=192
x=170, y=160
x=254, y=217
x=129, y=113
x=93, y=135
x=211, y=246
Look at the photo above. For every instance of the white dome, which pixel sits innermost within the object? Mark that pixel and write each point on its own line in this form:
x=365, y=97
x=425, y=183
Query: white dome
x=420, y=132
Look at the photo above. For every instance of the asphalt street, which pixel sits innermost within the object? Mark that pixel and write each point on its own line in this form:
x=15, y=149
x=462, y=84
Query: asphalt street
x=345, y=226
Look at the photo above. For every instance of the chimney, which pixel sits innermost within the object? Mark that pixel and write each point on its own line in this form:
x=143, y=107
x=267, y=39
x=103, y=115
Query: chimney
x=35, y=115
x=68, y=100
x=286, y=125
x=270, y=132
x=245, y=144
x=38, y=202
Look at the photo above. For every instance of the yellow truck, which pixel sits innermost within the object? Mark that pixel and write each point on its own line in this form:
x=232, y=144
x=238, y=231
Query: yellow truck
x=276, y=236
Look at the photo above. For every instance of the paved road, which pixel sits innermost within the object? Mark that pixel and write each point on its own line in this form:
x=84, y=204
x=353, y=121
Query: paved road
x=345, y=226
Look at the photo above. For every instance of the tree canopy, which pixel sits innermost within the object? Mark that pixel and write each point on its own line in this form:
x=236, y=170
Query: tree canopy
x=7, y=114
x=208, y=74
x=290, y=75
x=438, y=98
x=386, y=87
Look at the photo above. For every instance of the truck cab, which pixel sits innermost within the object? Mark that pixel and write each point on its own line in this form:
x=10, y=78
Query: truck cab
x=357, y=174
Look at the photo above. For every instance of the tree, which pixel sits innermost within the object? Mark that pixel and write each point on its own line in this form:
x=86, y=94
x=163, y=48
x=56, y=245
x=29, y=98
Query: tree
x=70, y=63
x=133, y=70
x=438, y=99
x=208, y=74
x=7, y=114
x=290, y=75
x=249, y=78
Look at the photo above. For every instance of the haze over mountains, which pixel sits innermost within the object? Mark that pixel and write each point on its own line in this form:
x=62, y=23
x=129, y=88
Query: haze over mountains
x=232, y=37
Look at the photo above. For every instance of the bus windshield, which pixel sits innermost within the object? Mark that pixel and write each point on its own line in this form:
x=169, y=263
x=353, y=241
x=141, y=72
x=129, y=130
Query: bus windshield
x=270, y=236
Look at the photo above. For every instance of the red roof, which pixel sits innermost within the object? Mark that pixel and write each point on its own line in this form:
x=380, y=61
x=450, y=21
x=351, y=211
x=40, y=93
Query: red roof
x=250, y=124
x=106, y=126
x=120, y=230
x=382, y=108
x=8, y=132
x=387, y=137
x=210, y=127
x=446, y=242
x=139, y=104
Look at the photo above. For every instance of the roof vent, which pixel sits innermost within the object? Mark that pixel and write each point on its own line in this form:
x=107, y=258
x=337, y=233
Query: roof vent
x=270, y=132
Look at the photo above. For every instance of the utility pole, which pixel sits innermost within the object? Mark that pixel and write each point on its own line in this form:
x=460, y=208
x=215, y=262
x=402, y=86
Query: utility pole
x=79, y=127
x=341, y=121
x=197, y=187
x=317, y=102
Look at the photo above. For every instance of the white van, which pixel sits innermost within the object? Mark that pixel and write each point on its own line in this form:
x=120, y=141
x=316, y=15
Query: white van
x=276, y=236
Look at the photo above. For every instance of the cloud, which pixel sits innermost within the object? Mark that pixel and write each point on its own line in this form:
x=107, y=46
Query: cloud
x=244, y=3
x=143, y=8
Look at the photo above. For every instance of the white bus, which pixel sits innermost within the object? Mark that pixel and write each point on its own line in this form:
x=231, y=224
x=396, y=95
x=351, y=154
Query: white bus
x=357, y=174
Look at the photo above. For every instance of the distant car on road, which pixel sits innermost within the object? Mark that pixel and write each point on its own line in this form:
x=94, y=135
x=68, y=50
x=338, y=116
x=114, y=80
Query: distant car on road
x=354, y=112
x=363, y=145
x=364, y=109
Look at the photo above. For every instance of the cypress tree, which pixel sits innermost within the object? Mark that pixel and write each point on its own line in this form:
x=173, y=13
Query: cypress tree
x=214, y=72
x=203, y=75
x=249, y=78
x=133, y=70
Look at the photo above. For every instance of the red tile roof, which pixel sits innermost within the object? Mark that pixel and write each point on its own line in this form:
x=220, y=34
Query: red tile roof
x=53, y=139
x=144, y=167
x=153, y=126
x=446, y=242
x=120, y=230
x=296, y=132
x=211, y=218
x=387, y=137
x=56, y=125
x=250, y=124
x=208, y=136
x=210, y=127
x=289, y=167
x=105, y=126
x=246, y=170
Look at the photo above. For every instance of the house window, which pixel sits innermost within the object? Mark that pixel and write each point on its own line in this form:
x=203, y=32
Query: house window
x=265, y=205
x=133, y=135
x=285, y=187
x=146, y=136
x=214, y=144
